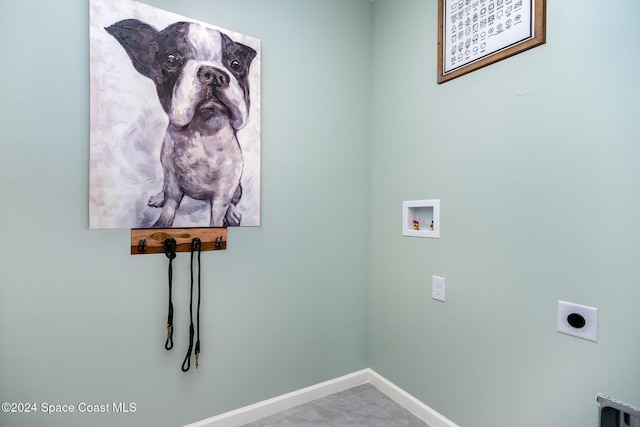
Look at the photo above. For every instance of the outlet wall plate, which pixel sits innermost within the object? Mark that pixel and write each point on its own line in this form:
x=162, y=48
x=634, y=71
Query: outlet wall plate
x=578, y=320
x=438, y=288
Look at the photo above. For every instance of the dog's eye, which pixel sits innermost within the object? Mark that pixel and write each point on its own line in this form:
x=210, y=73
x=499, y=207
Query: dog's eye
x=172, y=61
x=235, y=65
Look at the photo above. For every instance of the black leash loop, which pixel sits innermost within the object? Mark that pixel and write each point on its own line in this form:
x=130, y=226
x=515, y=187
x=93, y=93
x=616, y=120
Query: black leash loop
x=169, y=245
x=196, y=244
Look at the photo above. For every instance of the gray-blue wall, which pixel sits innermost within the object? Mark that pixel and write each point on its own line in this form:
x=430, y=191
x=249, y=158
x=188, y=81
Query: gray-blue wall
x=283, y=308
x=535, y=162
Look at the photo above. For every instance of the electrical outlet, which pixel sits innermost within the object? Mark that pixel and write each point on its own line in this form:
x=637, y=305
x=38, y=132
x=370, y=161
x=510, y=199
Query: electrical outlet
x=578, y=320
x=437, y=288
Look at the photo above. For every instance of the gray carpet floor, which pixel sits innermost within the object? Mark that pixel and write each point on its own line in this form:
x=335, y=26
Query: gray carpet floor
x=361, y=406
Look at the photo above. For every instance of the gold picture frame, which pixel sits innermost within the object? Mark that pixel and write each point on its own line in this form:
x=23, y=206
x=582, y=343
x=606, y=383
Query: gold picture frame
x=475, y=33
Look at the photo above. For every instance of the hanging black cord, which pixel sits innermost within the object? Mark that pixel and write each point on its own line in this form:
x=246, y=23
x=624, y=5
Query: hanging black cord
x=169, y=246
x=195, y=244
x=197, y=353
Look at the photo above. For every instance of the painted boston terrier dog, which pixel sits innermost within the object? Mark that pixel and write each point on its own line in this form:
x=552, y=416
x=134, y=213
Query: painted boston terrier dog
x=201, y=78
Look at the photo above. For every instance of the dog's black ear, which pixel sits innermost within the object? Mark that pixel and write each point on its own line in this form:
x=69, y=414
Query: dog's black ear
x=238, y=55
x=139, y=41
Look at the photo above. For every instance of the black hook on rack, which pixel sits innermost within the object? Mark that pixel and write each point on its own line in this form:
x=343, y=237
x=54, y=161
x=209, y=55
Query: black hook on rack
x=196, y=244
x=142, y=245
x=170, y=245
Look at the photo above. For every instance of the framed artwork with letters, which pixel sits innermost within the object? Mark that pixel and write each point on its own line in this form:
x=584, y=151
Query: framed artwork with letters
x=475, y=33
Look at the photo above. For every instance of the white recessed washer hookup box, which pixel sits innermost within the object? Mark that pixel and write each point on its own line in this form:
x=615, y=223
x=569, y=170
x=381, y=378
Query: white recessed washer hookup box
x=421, y=218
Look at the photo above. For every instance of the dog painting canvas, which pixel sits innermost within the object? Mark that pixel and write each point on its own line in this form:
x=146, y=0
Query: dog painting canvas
x=175, y=121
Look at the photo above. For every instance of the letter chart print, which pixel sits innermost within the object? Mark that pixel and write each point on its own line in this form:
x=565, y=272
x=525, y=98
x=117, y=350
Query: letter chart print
x=475, y=29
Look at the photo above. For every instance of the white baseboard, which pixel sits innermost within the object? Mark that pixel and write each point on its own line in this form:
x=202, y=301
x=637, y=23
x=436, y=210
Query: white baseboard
x=265, y=408
x=269, y=407
x=410, y=403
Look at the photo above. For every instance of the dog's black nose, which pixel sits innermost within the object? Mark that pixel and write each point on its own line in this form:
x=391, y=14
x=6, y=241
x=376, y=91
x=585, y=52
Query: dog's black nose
x=213, y=76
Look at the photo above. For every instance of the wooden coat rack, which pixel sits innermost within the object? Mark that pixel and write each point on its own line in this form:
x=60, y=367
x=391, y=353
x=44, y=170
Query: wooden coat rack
x=150, y=240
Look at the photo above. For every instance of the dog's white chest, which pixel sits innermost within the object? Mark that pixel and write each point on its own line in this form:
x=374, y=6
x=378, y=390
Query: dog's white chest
x=205, y=165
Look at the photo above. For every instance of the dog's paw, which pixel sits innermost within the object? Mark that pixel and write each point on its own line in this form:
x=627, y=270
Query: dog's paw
x=157, y=200
x=232, y=217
